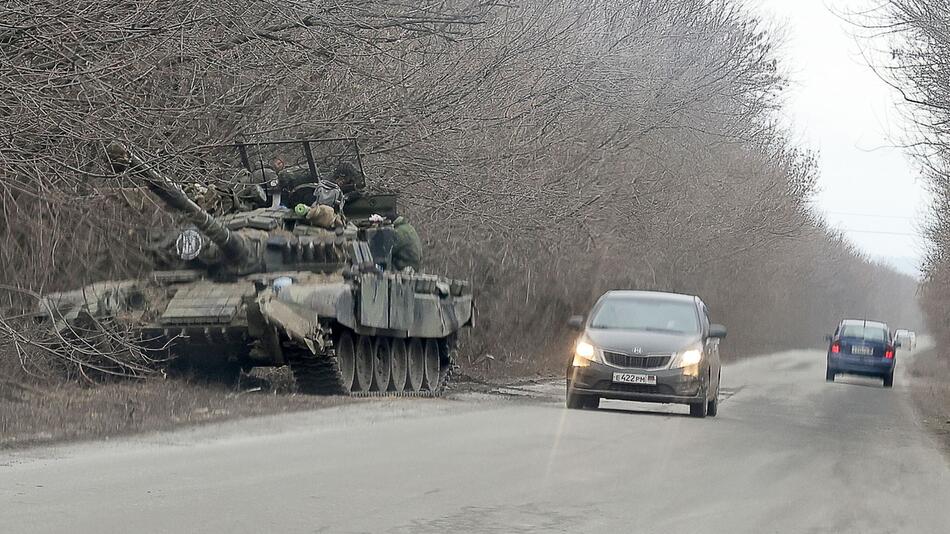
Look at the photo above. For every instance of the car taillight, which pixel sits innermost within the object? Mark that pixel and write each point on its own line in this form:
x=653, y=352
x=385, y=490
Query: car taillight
x=889, y=352
x=835, y=348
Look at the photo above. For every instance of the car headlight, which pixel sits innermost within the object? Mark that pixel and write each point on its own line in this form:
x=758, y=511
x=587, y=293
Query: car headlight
x=584, y=349
x=584, y=353
x=688, y=357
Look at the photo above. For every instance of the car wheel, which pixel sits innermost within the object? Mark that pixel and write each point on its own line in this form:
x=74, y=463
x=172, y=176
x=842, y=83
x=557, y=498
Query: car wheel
x=592, y=403
x=712, y=407
x=829, y=374
x=698, y=409
x=575, y=401
x=889, y=379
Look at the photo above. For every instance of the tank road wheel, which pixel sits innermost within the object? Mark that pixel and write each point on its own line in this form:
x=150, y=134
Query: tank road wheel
x=400, y=359
x=432, y=364
x=417, y=365
x=382, y=370
x=346, y=360
x=365, y=354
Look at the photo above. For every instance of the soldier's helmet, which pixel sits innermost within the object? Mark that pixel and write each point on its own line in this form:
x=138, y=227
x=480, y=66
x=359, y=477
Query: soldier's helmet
x=263, y=176
x=347, y=177
x=261, y=183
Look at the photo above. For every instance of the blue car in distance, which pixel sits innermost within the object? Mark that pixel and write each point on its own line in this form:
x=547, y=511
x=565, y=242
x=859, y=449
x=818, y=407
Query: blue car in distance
x=861, y=347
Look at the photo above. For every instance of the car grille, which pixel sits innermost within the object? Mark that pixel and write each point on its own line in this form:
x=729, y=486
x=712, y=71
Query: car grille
x=661, y=389
x=636, y=362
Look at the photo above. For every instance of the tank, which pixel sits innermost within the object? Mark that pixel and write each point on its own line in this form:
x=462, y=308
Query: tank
x=265, y=286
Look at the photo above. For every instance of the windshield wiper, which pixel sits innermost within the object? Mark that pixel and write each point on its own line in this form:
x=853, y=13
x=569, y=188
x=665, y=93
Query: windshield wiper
x=655, y=329
x=640, y=328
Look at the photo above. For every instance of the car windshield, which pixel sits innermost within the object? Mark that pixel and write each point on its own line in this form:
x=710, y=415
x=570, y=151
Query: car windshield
x=648, y=314
x=865, y=332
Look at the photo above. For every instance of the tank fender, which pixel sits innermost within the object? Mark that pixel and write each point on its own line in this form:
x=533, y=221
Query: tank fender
x=465, y=310
x=321, y=298
x=99, y=300
x=440, y=316
x=346, y=310
x=297, y=322
x=374, y=301
x=296, y=309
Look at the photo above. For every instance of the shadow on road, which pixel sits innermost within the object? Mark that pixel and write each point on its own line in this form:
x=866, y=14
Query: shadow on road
x=852, y=380
x=638, y=410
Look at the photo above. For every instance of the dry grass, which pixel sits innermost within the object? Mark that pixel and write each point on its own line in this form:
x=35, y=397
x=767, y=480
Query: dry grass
x=930, y=375
x=30, y=415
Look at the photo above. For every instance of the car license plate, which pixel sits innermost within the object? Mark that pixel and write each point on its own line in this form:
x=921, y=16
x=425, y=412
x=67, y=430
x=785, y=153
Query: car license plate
x=861, y=350
x=630, y=378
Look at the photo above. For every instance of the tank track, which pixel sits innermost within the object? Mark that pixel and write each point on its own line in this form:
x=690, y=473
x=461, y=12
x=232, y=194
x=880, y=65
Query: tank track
x=321, y=375
x=316, y=375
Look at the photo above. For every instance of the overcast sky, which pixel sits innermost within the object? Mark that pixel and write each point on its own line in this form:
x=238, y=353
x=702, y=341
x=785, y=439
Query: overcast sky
x=837, y=106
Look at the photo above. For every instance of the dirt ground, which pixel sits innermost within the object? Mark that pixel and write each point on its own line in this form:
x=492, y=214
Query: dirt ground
x=32, y=415
x=929, y=372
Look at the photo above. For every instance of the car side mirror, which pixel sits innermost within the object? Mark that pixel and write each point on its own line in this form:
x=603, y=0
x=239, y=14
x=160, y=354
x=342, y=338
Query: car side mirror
x=897, y=344
x=717, y=331
x=576, y=322
x=829, y=338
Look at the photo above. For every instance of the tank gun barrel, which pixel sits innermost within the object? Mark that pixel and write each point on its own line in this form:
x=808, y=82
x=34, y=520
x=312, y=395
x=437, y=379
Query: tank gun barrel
x=121, y=158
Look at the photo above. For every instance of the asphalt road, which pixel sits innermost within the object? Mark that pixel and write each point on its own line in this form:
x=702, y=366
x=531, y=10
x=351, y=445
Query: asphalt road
x=788, y=453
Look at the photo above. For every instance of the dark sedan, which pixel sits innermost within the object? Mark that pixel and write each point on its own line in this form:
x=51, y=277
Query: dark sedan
x=861, y=347
x=646, y=346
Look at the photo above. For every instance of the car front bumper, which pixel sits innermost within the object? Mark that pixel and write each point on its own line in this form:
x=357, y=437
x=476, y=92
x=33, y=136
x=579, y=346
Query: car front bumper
x=673, y=386
x=857, y=365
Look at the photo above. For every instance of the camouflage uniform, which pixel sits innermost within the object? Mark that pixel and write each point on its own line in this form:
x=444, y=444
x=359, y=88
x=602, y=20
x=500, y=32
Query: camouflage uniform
x=407, y=248
x=248, y=192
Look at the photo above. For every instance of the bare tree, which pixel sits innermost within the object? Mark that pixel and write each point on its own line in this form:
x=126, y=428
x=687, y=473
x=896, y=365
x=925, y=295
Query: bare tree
x=547, y=150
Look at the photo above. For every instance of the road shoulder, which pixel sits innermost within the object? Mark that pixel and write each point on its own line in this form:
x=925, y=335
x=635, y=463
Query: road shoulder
x=929, y=377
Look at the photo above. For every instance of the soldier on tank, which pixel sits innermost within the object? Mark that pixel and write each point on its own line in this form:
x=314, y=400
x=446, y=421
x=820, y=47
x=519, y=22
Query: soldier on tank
x=407, y=247
x=347, y=178
x=250, y=190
